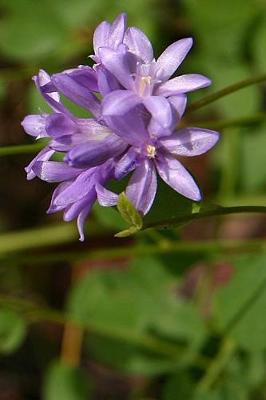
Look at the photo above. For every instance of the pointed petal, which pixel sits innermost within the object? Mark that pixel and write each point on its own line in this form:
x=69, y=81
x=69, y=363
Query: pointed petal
x=44, y=155
x=119, y=64
x=126, y=164
x=76, y=92
x=139, y=44
x=73, y=210
x=101, y=35
x=117, y=31
x=190, y=141
x=142, y=186
x=81, y=220
x=105, y=197
x=95, y=152
x=160, y=109
x=183, y=84
x=59, y=124
x=176, y=176
x=53, y=171
x=119, y=102
x=58, y=190
x=52, y=98
x=34, y=125
x=172, y=57
x=84, y=76
x=78, y=189
x=179, y=103
x=106, y=81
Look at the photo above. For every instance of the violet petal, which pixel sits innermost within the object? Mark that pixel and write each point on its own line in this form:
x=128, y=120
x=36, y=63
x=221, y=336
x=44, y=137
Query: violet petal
x=53, y=171
x=160, y=109
x=141, y=189
x=126, y=164
x=119, y=64
x=34, y=125
x=139, y=44
x=190, y=141
x=176, y=176
x=172, y=57
x=105, y=197
x=183, y=84
x=95, y=152
x=119, y=102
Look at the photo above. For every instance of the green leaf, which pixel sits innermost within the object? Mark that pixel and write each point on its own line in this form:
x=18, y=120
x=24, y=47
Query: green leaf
x=12, y=331
x=239, y=304
x=127, y=232
x=130, y=304
x=178, y=386
x=65, y=382
x=129, y=214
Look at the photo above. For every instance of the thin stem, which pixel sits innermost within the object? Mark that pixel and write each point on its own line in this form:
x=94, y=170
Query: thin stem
x=21, y=149
x=228, y=123
x=199, y=247
x=33, y=238
x=58, y=234
x=226, y=91
x=204, y=214
x=217, y=366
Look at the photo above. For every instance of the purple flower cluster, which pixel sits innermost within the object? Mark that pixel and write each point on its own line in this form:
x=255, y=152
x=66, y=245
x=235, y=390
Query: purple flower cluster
x=136, y=107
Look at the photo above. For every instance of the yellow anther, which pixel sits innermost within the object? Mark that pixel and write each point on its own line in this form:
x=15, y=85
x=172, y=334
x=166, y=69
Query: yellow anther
x=151, y=151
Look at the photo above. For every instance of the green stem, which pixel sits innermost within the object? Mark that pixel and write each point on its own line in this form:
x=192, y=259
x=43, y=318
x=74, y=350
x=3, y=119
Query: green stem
x=33, y=238
x=229, y=123
x=217, y=366
x=21, y=149
x=205, y=214
x=226, y=91
x=58, y=234
x=199, y=247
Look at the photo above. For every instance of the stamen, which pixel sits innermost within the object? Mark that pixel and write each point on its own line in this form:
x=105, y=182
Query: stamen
x=144, y=82
x=151, y=151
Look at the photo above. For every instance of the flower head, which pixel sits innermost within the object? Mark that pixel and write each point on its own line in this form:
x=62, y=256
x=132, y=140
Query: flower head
x=133, y=108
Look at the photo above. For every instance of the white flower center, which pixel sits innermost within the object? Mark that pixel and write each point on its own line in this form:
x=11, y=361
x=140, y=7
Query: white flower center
x=151, y=151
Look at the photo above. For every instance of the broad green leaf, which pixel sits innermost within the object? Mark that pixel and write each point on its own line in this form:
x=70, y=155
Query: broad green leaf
x=65, y=382
x=12, y=331
x=239, y=304
x=127, y=306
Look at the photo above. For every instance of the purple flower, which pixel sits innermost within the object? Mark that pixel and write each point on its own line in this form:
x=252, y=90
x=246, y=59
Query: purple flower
x=109, y=35
x=133, y=109
x=78, y=189
x=146, y=81
x=149, y=153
